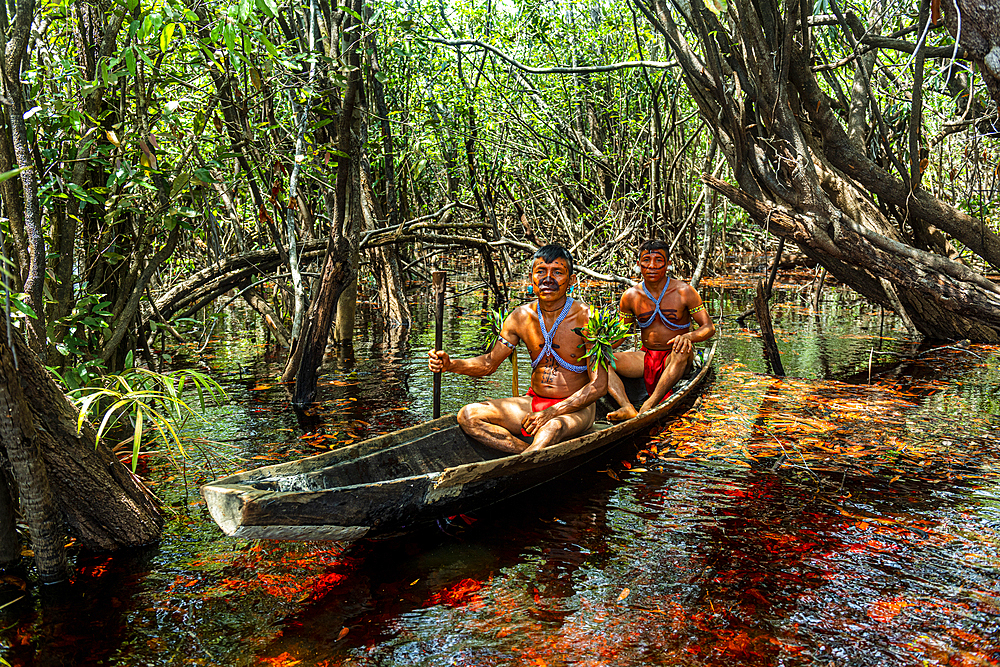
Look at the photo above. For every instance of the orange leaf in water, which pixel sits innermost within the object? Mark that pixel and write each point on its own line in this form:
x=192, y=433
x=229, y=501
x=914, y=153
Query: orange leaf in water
x=458, y=594
x=286, y=659
x=343, y=633
x=963, y=635
x=624, y=594
x=884, y=611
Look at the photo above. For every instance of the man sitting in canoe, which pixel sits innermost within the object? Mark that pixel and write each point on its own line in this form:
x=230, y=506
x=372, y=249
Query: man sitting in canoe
x=560, y=404
x=664, y=309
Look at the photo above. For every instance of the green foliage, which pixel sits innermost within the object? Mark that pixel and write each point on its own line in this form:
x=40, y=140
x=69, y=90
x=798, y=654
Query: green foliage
x=83, y=329
x=604, y=329
x=491, y=330
x=139, y=398
x=82, y=374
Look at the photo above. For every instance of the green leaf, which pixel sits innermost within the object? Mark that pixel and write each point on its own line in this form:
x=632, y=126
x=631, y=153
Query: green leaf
x=22, y=307
x=146, y=59
x=604, y=328
x=243, y=10
x=81, y=193
x=268, y=7
x=10, y=174
x=136, y=439
x=351, y=12
x=166, y=35
x=146, y=29
x=130, y=61
x=179, y=183
x=229, y=36
x=268, y=46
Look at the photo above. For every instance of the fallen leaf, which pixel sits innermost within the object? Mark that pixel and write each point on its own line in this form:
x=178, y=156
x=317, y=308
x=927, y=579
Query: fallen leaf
x=884, y=611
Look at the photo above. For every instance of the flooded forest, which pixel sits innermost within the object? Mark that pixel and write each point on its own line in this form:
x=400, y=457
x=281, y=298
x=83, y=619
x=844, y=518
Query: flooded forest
x=220, y=228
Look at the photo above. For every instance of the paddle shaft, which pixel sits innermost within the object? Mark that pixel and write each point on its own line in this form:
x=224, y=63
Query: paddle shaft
x=438, y=281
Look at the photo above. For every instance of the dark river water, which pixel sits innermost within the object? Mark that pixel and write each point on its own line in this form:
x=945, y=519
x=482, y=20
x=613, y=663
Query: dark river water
x=846, y=514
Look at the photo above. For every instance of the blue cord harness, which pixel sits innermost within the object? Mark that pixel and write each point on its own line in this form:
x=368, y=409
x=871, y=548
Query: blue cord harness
x=657, y=311
x=547, y=335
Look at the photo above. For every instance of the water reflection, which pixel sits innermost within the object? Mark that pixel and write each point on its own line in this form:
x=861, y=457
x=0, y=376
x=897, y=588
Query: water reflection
x=847, y=515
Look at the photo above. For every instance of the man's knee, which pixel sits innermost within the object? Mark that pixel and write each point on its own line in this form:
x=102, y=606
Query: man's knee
x=553, y=428
x=683, y=360
x=470, y=415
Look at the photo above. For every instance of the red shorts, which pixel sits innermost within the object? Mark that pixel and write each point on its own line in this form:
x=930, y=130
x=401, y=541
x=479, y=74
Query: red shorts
x=652, y=367
x=538, y=403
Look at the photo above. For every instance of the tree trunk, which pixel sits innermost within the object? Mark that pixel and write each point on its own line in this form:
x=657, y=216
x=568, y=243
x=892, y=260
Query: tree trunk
x=307, y=351
x=103, y=504
x=384, y=263
x=10, y=544
x=21, y=442
x=978, y=31
x=803, y=177
x=34, y=281
x=206, y=285
x=309, y=348
x=271, y=318
x=347, y=310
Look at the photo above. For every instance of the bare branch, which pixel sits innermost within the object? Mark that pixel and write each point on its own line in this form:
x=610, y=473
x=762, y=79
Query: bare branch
x=594, y=69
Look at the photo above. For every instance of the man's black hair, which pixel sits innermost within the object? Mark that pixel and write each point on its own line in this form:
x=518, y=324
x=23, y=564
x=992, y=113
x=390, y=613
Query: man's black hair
x=552, y=252
x=650, y=245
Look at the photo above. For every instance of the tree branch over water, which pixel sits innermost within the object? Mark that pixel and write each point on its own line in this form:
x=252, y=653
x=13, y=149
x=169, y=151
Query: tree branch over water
x=593, y=69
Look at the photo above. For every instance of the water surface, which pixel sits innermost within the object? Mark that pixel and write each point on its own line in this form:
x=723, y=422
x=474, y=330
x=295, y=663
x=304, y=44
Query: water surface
x=846, y=514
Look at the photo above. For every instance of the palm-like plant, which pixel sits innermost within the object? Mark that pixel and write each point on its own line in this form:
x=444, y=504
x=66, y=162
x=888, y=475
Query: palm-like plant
x=145, y=397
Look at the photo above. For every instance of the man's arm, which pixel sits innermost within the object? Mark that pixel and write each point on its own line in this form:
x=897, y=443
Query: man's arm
x=699, y=313
x=627, y=315
x=485, y=364
x=684, y=343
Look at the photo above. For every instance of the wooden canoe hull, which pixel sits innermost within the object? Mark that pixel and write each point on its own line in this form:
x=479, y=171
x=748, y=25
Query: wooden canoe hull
x=395, y=482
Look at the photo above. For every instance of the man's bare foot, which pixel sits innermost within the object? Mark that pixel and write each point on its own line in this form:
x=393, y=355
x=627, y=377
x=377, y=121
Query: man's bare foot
x=649, y=405
x=621, y=414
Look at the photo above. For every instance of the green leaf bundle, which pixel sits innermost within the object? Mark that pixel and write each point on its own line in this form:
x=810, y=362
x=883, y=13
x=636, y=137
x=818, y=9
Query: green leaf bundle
x=604, y=329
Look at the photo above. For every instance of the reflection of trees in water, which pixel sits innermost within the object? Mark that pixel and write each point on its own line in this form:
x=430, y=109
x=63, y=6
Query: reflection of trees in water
x=88, y=621
x=389, y=341
x=837, y=531
x=762, y=568
x=515, y=564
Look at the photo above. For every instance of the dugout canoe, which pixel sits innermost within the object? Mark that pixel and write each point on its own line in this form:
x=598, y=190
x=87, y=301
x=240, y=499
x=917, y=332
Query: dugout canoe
x=398, y=481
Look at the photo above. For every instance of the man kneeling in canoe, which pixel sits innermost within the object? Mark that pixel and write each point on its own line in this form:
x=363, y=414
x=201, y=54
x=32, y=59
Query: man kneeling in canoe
x=560, y=404
x=664, y=309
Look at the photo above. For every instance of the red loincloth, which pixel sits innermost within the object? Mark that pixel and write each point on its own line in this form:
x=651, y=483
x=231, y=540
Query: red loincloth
x=538, y=403
x=652, y=368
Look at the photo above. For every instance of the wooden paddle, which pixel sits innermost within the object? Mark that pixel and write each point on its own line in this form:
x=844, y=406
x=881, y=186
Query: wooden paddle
x=438, y=280
x=513, y=380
